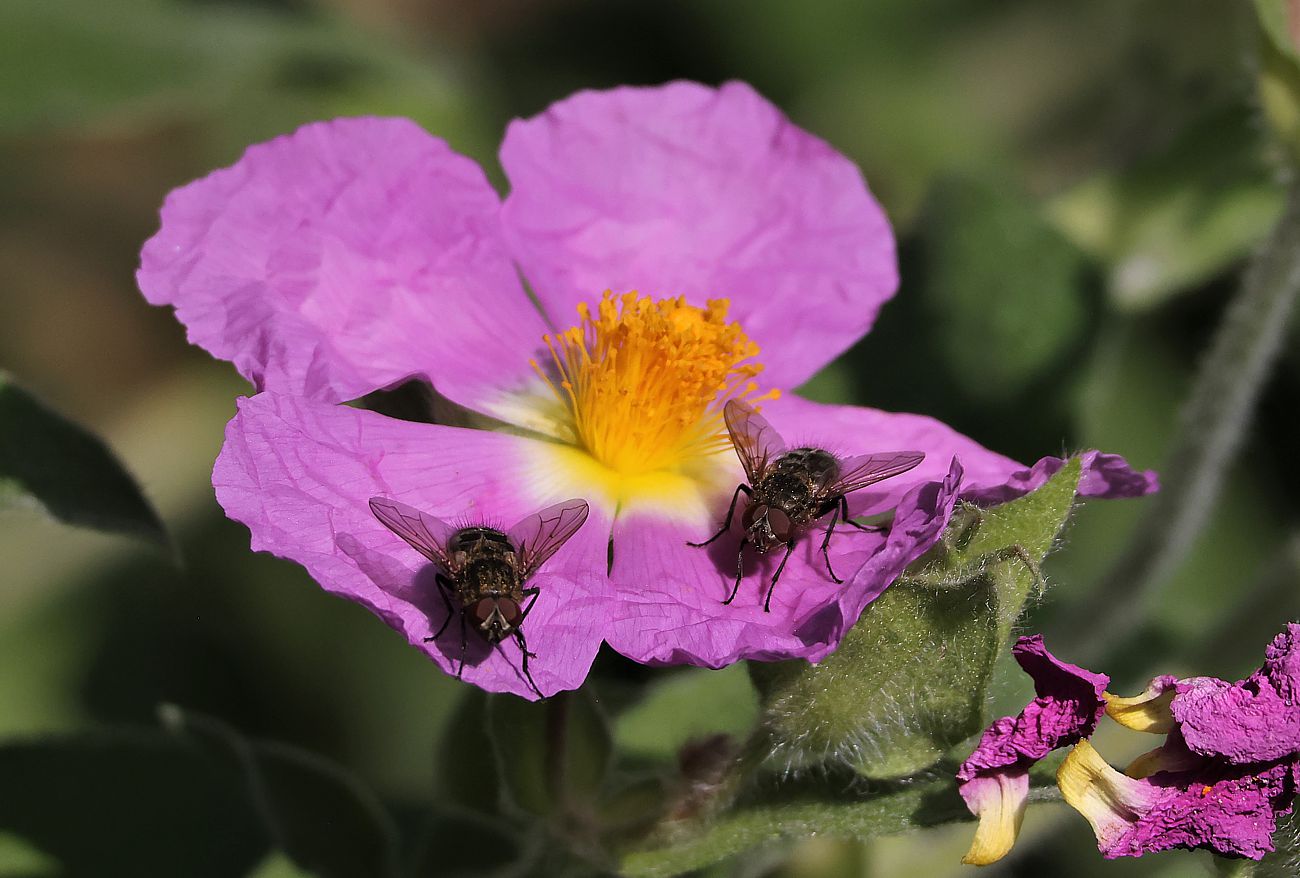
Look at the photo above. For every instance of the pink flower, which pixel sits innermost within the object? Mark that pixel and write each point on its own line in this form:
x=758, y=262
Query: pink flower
x=355, y=254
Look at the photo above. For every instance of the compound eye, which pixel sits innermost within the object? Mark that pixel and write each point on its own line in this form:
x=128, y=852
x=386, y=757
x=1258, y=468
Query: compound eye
x=780, y=524
x=482, y=610
x=752, y=513
x=509, y=611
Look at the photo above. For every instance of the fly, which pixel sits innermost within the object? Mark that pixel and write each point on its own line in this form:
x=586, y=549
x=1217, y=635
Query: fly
x=485, y=570
x=788, y=490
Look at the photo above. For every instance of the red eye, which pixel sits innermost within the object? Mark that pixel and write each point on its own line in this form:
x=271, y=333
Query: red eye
x=482, y=610
x=752, y=513
x=780, y=524
x=509, y=611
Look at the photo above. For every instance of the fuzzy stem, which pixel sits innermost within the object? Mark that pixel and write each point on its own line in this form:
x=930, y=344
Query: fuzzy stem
x=1213, y=426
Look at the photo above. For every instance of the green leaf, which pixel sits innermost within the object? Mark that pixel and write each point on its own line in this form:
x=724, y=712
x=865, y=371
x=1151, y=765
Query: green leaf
x=669, y=715
x=1002, y=286
x=122, y=804
x=49, y=463
x=1279, y=71
x=909, y=679
x=798, y=811
x=1178, y=217
x=319, y=815
x=552, y=755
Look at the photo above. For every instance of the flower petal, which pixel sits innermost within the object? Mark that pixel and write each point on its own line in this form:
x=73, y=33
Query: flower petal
x=1231, y=810
x=671, y=594
x=299, y=474
x=1256, y=719
x=1149, y=710
x=1068, y=707
x=990, y=477
x=344, y=258
x=684, y=189
x=998, y=801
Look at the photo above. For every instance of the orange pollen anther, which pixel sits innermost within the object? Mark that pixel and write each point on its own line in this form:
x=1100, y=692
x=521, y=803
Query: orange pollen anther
x=644, y=381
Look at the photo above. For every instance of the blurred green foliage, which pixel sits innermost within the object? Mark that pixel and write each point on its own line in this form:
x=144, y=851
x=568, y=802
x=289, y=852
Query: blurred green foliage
x=1074, y=187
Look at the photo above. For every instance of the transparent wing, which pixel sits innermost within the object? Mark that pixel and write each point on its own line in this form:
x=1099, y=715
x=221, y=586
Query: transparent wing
x=538, y=536
x=757, y=442
x=867, y=469
x=426, y=534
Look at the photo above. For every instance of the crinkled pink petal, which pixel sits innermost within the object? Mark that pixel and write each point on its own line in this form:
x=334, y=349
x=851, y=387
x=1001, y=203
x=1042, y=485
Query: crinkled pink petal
x=684, y=189
x=1104, y=475
x=989, y=477
x=1070, y=702
x=1253, y=720
x=299, y=474
x=344, y=258
x=670, y=594
x=1231, y=810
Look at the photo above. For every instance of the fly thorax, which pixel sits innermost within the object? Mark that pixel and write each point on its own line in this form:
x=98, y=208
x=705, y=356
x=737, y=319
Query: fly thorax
x=817, y=465
x=489, y=576
x=789, y=490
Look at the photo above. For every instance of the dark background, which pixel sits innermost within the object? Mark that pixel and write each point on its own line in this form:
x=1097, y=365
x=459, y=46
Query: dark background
x=1075, y=187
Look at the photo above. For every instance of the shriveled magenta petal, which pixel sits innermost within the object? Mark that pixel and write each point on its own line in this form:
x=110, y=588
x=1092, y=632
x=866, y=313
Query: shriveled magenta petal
x=343, y=258
x=1253, y=720
x=670, y=594
x=990, y=477
x=684, y=189
x=1229, y=809
x=299, y=474
x=1070, y=702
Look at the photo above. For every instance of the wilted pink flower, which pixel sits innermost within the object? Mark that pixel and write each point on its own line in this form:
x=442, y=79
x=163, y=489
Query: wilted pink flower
x=1228, y=769
x=358, y=253
x=994, y=780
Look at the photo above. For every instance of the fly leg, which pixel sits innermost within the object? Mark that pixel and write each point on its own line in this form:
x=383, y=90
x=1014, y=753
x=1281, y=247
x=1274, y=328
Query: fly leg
x=532, y=593
x=523, y=651
x=444, y=585
x=726, y=525
x=826, y=542
x=740, y=569
x=464, y=644
x=767, y=602
x=845, y=519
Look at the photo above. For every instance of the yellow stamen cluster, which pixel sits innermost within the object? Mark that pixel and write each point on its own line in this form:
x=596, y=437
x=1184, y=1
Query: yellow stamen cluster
x=644, y=381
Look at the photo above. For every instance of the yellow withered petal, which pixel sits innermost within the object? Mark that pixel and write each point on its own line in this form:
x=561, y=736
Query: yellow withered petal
x=999, y=802
x=1107, y=799
x=1148, y=711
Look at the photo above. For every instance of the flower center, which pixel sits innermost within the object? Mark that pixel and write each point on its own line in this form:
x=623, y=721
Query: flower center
x=644, y=382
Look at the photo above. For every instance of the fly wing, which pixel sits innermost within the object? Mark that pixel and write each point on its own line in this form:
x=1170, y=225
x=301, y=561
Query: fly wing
x=756, y=441
x=426, y=534
x=867, y=469
x=538, y=536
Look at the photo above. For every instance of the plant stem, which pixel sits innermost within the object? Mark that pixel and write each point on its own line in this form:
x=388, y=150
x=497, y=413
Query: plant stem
x=1213, y=426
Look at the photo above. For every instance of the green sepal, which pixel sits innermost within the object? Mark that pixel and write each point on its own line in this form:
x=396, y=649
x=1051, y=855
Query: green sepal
x=908, y=681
